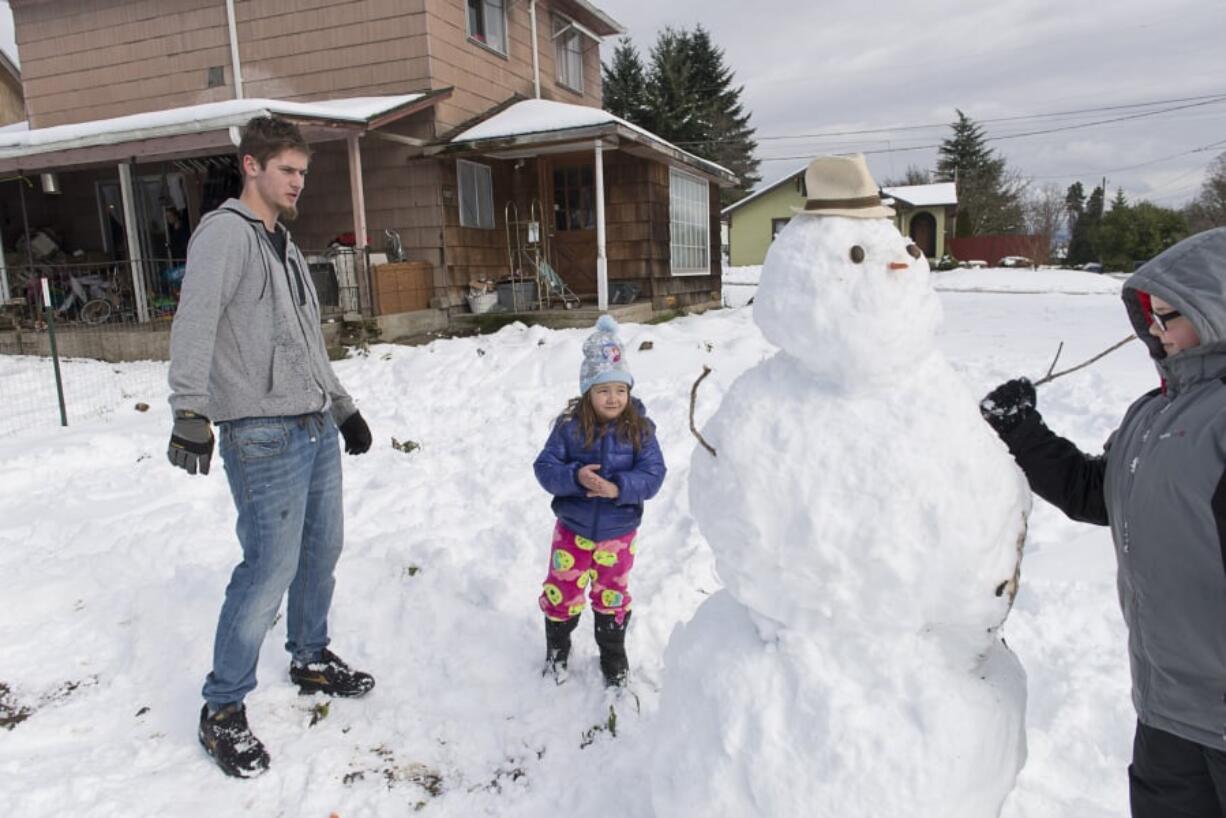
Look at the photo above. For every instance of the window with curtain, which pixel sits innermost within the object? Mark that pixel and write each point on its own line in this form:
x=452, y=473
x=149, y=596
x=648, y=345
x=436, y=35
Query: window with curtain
x=487, y=23
x=690, y=223
x=568, y=53
x=476, y=183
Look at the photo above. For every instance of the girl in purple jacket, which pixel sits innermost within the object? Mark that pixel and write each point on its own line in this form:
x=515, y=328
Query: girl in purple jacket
x=601, y=462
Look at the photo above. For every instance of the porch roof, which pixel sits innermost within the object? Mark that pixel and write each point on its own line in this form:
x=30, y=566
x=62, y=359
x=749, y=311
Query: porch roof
x=938, y=194
x=534, y=126
x=175, y=132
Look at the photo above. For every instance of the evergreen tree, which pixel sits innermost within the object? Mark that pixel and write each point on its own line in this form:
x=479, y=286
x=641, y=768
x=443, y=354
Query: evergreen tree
x=1083, y=247
x=686, y=96
x=671, y=111
x=1080, y=250
x=1130, y=234
x=989, y=195
x=720, y=115
x=625, y=83
x=1120, y=200
x=1074, y=204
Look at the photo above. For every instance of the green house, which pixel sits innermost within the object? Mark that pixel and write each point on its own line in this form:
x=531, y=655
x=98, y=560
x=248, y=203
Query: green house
x=926, y=213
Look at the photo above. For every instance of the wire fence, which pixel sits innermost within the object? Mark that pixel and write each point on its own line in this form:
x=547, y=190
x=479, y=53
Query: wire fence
x=86, y=319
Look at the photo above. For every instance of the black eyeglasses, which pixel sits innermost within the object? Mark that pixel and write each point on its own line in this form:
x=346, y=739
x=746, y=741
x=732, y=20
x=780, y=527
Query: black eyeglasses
x=1162, y=319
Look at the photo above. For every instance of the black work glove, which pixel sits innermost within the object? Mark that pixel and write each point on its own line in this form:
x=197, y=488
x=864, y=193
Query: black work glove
x=1008, y=405
x=356, y=434
x=191, y=442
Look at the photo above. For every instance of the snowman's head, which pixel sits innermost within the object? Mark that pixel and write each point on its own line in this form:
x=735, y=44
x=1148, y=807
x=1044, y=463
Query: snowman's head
x=849, y=297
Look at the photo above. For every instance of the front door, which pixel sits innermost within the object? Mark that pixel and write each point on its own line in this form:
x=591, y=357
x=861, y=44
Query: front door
x=569, y=188
x=924, y=233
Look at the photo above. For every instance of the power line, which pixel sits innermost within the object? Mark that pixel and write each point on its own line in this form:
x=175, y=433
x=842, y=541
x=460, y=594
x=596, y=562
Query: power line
x=1042, y=132
x=1208, y=98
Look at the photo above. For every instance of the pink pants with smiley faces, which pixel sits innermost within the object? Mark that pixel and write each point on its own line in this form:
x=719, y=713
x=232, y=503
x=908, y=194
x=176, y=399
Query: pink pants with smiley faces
x=577, y=565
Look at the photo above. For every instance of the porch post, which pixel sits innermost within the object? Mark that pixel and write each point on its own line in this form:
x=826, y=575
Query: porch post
x=358, y=196
x=132, y=236
x=602, y=262
x=5, y=294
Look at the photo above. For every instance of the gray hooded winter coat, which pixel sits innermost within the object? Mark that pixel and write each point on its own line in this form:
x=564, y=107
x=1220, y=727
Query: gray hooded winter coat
x=246, y=340
x=1161, y=486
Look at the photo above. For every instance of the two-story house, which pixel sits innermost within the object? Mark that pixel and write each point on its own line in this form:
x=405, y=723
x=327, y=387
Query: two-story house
x=471, y=128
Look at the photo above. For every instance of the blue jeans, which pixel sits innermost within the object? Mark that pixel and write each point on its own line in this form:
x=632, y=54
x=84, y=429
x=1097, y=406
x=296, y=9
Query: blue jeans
x=285, y=477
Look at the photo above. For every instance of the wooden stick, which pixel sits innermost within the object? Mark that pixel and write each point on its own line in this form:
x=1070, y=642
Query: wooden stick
x=1052, y=368
x=1051, y=376
x=706, y=370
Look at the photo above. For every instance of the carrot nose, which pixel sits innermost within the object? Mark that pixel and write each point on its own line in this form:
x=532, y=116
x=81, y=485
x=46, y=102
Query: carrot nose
x=899, y=265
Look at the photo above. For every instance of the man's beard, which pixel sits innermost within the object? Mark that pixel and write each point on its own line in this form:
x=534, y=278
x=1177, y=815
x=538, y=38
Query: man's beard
x=288, y=213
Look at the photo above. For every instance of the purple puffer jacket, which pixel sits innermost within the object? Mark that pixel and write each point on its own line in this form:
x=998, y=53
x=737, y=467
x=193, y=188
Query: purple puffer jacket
x=638, y=476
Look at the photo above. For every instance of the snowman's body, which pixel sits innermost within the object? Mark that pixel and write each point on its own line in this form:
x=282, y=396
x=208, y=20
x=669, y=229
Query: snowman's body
x=867, y=526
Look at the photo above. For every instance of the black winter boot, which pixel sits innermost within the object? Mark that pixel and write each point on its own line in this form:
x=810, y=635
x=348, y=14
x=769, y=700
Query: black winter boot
x=557, y=647
x=330, y=675
x=227, y=738
x=611, y=639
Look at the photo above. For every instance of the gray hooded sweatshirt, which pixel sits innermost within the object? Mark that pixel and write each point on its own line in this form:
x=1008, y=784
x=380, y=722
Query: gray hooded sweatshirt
x=1161, y=486
x=246, y=339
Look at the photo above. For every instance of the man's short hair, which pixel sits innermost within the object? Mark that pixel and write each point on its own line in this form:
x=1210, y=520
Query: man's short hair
x=266, y=136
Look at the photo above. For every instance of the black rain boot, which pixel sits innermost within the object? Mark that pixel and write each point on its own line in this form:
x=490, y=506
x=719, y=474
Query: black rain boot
x=557, y=647
x=611, y=639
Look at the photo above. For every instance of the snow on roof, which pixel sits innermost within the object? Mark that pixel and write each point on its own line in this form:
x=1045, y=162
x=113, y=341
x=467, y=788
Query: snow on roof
x=190, y=119
x=939, y=193
x=762, y=191
x=543, y=116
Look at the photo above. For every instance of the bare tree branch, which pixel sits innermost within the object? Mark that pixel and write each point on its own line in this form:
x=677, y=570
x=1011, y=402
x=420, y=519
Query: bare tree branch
x=1052, y=368
x=1050, y=376
x=706, y=370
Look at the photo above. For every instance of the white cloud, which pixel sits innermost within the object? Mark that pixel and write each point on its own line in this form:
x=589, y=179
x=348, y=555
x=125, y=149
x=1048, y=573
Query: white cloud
x=811, y=67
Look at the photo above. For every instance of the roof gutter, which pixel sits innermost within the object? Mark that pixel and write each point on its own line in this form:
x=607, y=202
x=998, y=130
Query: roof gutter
x=238, y=68
x=536, y=51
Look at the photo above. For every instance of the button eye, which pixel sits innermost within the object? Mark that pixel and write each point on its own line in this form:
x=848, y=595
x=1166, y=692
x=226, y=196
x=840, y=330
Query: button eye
x=857, y=253
x=914, y=251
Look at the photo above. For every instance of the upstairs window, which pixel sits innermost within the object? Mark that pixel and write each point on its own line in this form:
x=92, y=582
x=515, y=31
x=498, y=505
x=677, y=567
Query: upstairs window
x=476, y=195
x=487, y=23
x=568, y=53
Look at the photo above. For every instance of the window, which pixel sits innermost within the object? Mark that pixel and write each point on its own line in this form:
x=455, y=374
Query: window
x=568, y=53
x=487, y=23
x=573, y=202
x=476, y=195
x=690, y=223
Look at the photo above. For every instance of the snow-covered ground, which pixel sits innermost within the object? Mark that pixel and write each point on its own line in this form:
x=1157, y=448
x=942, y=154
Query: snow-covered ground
x=113, y=564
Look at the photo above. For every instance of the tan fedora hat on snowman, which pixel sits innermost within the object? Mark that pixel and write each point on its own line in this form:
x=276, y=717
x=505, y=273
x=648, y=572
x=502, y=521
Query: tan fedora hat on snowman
x=842, y=186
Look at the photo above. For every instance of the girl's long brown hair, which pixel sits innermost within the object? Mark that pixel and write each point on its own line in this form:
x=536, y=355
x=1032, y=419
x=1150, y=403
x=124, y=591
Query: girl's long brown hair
x=631, y=426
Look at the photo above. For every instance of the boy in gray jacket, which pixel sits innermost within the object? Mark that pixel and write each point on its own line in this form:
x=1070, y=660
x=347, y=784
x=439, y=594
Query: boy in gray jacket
x=247, y=353
x=1161, y=486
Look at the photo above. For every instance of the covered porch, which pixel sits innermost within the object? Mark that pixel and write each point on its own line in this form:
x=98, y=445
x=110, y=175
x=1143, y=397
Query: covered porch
x=104, y=210
x=564, y=207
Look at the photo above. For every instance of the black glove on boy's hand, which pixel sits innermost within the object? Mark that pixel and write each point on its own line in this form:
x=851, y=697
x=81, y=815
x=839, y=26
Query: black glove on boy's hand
x=356, y=434
x=191, y=442
x=1008, y=405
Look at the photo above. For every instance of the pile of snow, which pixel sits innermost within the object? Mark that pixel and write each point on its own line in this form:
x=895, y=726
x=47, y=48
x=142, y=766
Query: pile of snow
x=113, y=566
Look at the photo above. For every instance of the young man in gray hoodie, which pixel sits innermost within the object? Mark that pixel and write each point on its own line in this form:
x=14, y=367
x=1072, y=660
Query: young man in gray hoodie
x=247, y=354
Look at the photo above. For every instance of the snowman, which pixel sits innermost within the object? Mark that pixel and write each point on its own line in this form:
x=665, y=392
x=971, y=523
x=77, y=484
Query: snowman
x=867, y=526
